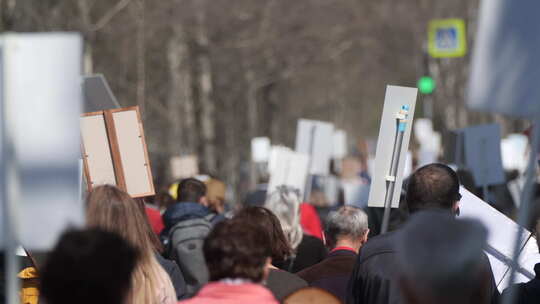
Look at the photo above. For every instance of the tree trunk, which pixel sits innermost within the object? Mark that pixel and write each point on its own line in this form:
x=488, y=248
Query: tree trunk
x=204, y=84
x=181, y=132
x=141, y=60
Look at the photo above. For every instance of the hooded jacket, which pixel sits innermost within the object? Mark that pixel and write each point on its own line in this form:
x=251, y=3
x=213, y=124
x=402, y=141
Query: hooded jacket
x=185, y=211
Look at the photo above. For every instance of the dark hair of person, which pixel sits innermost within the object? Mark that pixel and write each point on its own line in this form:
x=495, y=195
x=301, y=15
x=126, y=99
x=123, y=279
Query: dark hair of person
x=190, y=190
x=264, y=218
x=237, y=250
x=432, y=186
x=88, y=266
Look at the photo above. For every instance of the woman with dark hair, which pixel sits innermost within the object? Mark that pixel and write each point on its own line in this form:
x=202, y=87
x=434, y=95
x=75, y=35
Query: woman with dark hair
x=237, y=255
x=281, y=283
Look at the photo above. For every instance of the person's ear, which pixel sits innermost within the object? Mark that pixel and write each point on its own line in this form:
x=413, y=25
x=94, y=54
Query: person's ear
x=455, y=208
x=203, y=201
x=365, y=236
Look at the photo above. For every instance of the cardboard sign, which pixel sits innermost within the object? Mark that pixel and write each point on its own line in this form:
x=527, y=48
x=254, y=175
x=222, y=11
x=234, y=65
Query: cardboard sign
x=396, y=97
x=289, y=168
x=505, y=66
x=114, y=151
x=260, y=149
x=97, y=94
x=184, y=166
x=315, y=138
x=339, y=145
x=501, y=238
x=514, y=152
x=482, y=146
x=42, y=99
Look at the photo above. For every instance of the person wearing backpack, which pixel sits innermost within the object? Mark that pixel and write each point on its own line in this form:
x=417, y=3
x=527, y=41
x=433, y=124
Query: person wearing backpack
x=187, y=223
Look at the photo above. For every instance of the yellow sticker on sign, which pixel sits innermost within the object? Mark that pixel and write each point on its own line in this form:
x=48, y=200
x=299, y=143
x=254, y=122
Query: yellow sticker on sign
x=447, y=38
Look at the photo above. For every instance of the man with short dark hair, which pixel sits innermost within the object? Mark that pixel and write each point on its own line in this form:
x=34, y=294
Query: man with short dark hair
x=374, y=279
x=87, y=267
x=346, y=231
x=187, y=223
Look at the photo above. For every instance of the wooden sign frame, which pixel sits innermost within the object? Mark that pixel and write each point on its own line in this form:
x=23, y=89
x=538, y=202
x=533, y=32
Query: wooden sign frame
x=115, y=154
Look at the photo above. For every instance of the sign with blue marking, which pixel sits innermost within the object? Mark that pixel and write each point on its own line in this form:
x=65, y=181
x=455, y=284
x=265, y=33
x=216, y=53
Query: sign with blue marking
x=447, y=38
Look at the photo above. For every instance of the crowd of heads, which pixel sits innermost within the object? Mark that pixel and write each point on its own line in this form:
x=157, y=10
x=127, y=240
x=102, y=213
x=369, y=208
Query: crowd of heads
x=440, y=258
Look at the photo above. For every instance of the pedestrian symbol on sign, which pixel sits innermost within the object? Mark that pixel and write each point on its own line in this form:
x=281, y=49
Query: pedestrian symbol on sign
x=447, y=38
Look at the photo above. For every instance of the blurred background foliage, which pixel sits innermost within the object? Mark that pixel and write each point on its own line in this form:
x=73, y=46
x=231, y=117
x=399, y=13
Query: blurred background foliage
x=211, y=74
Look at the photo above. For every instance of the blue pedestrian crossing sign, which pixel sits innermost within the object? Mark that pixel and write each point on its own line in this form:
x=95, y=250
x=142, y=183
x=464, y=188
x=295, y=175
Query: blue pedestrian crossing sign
x=447, y=38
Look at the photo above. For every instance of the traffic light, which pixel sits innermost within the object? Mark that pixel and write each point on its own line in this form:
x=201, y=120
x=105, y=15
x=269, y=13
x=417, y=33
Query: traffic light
x=426, y=85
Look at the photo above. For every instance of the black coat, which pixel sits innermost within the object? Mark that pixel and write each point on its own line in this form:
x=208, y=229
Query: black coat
x=332, y=274
x=374, y=277
x=310, y=251
x=527, y=292
x=176, y=276
x=282, y=283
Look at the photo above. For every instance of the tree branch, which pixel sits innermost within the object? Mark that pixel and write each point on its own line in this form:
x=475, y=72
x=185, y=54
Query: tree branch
x=120, y=5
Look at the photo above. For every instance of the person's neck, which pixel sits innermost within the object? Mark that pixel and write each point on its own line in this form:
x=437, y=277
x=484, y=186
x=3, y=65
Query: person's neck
x=348, y=243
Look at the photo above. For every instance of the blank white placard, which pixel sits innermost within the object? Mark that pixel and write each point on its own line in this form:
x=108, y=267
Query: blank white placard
x=97, y=150
x=132, y=153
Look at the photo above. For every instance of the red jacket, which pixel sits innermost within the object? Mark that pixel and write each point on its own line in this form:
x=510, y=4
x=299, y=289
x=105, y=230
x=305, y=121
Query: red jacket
x=310, y=221
x=223, y=293
x=154, y=217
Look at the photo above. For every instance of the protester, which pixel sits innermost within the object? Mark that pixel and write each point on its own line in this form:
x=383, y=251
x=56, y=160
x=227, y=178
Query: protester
x=346, y=231
x=529, y=292
x=88, y=267
x=154, y=216
x=111, y=209
x=374, y=279
x=237, y=255
x=281, y=283
x=215, y=195
x=187, y=223
x=257, y=197
x=441, y=260
x=172, y=269
x=310, y=221
x=284, y=202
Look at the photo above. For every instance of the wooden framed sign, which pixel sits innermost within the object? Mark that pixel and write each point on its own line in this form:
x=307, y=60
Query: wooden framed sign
x=114, y=151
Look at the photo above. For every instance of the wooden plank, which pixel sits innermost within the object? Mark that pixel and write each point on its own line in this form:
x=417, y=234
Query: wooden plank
x=115, y=150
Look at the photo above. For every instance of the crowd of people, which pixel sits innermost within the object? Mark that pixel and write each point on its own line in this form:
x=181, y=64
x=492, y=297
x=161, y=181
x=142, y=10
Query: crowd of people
x=275, y=251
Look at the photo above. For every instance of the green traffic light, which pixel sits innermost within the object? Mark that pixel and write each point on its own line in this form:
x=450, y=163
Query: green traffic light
x=426, y=85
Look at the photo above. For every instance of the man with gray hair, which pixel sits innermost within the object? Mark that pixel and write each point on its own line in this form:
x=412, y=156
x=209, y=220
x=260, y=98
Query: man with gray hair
x=346, y=231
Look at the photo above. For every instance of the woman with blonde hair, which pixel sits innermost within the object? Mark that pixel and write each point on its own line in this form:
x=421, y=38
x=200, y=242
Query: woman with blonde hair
x=284, y=202
x=112, y=209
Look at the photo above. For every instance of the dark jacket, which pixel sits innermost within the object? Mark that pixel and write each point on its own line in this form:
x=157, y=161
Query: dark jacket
x=310, y=251
x=374, y=277
x=282, y=283
x=182, y=211
x=175, y=275
x=332, y=274
x=527, y=292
